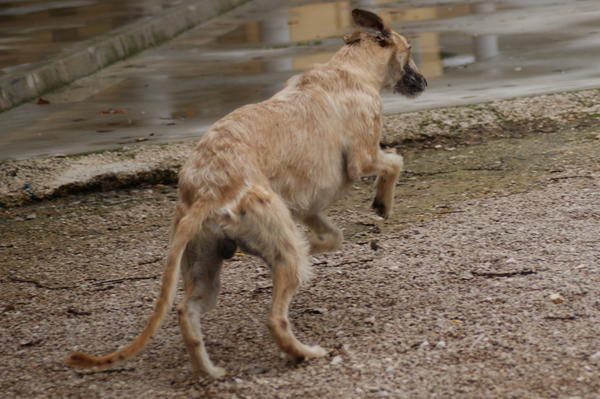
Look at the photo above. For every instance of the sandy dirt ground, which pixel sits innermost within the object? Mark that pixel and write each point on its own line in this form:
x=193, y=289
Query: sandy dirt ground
x=484, y=284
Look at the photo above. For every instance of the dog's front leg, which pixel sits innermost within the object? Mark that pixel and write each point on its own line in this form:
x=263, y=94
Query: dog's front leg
x=388, y=168
x=386, y=165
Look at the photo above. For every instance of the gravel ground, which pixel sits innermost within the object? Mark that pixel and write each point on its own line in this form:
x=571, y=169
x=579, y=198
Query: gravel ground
x=483, y=284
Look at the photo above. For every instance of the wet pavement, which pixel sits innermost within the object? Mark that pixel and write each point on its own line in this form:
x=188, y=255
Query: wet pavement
x=35, y=30
x=470, y=52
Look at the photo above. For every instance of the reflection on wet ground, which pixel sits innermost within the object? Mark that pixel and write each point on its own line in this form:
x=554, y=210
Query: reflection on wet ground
x=33, y=30
x=469, y=51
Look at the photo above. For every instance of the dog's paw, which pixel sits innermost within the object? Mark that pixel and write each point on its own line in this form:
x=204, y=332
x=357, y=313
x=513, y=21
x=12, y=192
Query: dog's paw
x=307, y=352
x=312, y=352
x=216, y=372
x=380, y=208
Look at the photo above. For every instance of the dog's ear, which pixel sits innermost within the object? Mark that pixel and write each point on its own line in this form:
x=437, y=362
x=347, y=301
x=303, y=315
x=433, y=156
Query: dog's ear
x=370, y=21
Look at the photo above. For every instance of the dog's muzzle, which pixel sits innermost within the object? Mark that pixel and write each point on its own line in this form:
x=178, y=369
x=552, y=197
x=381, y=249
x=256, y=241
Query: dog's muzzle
x=412, y=83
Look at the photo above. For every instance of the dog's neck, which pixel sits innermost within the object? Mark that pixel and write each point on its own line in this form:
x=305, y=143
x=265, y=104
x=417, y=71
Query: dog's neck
x=367, y=60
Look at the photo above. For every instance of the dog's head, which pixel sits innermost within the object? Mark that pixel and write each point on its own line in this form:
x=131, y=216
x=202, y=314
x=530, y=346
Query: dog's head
x=402, y=73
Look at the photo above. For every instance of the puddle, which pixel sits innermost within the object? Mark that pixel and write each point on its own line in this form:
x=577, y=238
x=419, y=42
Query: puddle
x=252, y=60
x=309, y=24
x=470, y=52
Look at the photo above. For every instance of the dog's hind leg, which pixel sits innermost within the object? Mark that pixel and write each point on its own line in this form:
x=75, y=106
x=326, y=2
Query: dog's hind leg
x=388, y=168
x=201, y=266
x=266, y=227
x=285, y=283
x=324, y=236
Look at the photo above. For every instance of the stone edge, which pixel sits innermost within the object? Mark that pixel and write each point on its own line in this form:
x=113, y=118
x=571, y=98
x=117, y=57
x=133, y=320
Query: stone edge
x=31, y=180
x=97, y=53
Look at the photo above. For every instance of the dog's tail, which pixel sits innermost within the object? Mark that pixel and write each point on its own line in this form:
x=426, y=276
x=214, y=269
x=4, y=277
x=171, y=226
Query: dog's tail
x=184, y=231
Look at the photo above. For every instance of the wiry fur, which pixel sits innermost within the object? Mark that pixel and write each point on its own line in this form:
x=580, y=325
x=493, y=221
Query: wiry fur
x=265, y=166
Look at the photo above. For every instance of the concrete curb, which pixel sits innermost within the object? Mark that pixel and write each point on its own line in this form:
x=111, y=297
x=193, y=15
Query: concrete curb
x=99, y=52
x=31, y=180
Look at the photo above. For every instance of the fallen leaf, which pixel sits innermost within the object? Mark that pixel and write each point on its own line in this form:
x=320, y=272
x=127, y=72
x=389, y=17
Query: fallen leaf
x=42, y=101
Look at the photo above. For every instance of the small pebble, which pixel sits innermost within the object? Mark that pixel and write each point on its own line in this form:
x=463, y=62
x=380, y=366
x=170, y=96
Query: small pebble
x=336, y=360
x=595, y=356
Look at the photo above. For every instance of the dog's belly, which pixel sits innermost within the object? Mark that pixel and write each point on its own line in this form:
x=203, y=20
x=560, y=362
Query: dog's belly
x=310, y=197
x=323, y=198
x=310, y=177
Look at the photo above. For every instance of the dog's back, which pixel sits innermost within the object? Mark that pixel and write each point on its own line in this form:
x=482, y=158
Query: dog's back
x=295, y=141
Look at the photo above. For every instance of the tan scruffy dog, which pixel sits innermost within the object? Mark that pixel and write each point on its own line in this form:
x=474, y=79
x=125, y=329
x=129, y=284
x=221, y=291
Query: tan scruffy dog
x=266, y=166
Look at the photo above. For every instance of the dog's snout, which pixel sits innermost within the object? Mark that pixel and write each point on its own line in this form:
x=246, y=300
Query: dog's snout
x=411, y=84
x=418, y=80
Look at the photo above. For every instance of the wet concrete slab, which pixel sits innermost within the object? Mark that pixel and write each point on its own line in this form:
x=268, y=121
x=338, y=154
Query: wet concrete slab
x=35, y=30
x=470, y=52
x=28, y=81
